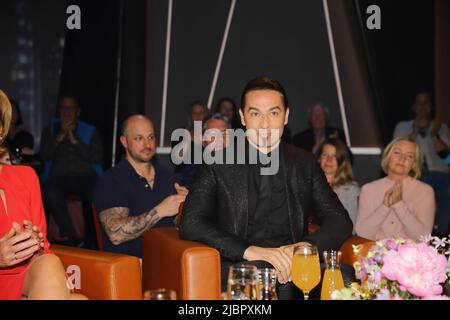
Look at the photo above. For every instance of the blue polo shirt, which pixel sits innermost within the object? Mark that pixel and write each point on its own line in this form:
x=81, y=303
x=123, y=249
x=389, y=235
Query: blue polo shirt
x=122, y=186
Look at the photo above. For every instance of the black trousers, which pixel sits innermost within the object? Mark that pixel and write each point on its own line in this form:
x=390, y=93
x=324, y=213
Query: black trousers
x=55, y=191
x=288, y=291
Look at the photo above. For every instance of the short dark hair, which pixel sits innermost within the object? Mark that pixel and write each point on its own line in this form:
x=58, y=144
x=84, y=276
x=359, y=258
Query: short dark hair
x=264, y=83
x=68, y=96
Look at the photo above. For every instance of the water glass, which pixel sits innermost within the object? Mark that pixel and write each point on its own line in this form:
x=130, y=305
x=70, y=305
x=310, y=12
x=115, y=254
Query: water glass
x=242, y=282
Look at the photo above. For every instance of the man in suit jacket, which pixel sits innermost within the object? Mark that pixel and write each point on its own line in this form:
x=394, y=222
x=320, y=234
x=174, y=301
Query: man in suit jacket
x=319, y=131
x=247, y=216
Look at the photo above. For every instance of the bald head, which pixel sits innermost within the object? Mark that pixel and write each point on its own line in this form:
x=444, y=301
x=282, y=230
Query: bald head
x=138, y=138
x=133, y=120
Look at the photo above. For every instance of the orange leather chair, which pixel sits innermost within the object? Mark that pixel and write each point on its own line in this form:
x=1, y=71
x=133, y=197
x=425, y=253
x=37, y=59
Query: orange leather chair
x=348, y=256
x=103, y=275
x=190, y=268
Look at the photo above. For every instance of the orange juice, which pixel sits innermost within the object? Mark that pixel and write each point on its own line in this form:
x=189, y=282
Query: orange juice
x=332, y=280
x=305, y=271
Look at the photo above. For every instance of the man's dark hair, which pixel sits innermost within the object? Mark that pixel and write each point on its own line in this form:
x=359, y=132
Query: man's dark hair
x=264, y=83
x=68, y=96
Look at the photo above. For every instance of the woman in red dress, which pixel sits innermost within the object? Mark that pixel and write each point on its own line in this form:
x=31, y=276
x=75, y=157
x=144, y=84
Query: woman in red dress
x=28, y=269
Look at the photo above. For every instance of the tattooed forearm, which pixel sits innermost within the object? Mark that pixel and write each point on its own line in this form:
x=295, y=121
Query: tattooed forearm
x=120, y=227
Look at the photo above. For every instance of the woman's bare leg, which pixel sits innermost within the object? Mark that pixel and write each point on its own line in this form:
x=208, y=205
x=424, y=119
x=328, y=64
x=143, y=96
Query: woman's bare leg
x=46, y=279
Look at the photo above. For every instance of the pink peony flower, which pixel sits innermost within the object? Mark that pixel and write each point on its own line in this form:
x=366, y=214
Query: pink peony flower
x=418, y=268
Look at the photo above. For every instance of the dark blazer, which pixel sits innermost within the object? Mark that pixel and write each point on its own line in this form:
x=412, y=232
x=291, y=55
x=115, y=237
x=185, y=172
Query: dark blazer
x=306, y=139
x=216, y=209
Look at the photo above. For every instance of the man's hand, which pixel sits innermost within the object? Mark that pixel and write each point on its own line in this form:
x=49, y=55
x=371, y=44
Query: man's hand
x=437, y=123
x=169, y=206
x=277, y=257
x=71, y=137
x=289, y=249
x=61, y=135
x=17, y=246
x=182, y=191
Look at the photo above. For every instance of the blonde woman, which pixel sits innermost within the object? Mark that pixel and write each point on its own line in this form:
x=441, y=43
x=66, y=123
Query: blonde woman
x=28, y=269
x=398, y=205
x=334, y=158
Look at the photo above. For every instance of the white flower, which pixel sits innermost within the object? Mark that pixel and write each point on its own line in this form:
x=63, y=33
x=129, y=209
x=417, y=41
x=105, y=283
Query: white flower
x=426, y=238
x=438, y=243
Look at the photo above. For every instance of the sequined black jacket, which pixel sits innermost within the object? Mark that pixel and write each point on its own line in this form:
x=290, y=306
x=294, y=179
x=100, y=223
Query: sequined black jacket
x=216, y=209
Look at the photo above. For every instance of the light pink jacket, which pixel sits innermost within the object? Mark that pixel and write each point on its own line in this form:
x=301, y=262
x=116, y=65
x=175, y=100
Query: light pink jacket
x=408, y=219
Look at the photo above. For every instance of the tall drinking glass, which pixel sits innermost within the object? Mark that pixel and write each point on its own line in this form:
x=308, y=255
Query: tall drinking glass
x=242, y=282
x=305, y=268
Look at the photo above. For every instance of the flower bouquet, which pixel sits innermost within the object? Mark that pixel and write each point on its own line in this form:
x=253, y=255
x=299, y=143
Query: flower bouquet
x=398, y=269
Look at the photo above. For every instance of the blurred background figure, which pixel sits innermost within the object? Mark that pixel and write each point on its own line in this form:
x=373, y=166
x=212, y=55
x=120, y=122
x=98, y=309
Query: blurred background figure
x=20, y=142
x=312, y=138
x=227, y=107
x=433, y=137
x=334, y=158
x=214, y=131
x=197, y=112
x=72, y=151
x=216, y=122
x=399, y=205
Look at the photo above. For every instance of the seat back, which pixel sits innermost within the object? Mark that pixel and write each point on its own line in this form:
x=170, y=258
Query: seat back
x=190, y=268
x=102, y=275
x=98, y=228
x=348, y=256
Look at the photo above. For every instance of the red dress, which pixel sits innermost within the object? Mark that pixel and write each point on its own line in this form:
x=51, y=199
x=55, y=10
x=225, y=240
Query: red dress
x=23, y=200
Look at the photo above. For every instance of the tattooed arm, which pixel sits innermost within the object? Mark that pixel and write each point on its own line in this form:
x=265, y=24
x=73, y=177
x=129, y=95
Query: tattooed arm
x=120, y=227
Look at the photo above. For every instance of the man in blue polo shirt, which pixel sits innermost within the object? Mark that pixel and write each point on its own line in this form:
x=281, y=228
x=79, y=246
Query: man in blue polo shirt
x=138, y=193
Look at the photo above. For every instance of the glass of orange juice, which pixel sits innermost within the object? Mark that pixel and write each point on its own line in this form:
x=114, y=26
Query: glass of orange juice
x=305, y=268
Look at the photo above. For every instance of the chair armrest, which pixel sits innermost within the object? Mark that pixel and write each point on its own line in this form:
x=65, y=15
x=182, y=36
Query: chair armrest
x=348, y=256
x=190, y=268
x=103, y=275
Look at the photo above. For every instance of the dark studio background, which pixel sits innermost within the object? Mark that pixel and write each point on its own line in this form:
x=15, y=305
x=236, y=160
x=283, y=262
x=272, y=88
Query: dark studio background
x=380, y=70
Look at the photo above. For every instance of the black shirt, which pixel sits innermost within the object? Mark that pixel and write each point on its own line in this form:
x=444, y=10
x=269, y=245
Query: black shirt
x=268, y=224
x=122, y=186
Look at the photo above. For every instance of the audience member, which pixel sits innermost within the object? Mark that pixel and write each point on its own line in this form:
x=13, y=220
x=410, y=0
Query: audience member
x=433, y=138
x=19, y=141
x=227, y=107
x=214, y=132
x=398, y=205
x=72, y=151
x=334, y=158
x=312, y=138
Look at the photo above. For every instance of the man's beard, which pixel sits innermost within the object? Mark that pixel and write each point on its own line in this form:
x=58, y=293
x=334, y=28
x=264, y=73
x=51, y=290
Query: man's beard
x=141, y=159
